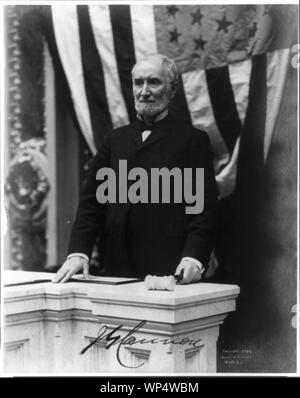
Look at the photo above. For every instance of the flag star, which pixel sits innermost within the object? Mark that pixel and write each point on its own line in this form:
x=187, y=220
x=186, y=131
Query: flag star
x=223, y=24
x=174, y=35
x=199, y=43
x=197, y=16
x=172, y=10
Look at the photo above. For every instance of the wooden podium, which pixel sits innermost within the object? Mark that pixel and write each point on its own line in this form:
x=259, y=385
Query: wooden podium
x=106, y=328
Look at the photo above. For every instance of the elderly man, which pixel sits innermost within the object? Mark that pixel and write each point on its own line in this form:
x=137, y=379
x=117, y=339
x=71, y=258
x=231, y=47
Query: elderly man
x=147, y=238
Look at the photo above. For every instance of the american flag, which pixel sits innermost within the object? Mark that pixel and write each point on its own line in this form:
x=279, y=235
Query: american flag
x=231, y=58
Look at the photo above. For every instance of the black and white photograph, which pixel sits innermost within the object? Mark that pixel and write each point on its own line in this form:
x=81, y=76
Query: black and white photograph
x=149, y=189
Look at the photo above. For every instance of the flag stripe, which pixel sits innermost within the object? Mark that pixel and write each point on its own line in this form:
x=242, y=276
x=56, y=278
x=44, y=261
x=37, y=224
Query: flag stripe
x=48, y=30
x=179, y=107
x=200, y=109
x=223, y=104
x=251, y=161
x=124, y=50
x=93, y=77
x=105, y=47
x=66, y=31
x=239, y=73
x=277, y=66
x=143, y=30
x=226, y=179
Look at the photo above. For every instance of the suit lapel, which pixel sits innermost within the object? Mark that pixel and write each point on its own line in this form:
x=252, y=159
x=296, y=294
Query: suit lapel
x=155, y=136
x=135, y=134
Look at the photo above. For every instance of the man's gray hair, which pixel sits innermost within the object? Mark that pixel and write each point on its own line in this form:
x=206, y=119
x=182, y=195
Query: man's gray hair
x=172, y=68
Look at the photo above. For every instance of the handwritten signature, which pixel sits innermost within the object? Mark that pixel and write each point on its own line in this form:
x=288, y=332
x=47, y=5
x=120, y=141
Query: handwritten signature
x=130, y=339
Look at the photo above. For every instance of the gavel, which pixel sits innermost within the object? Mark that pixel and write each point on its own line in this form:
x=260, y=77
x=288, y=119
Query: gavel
x=153, y=282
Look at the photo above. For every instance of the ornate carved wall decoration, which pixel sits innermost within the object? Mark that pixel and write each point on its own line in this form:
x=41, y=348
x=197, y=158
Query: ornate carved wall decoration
x=26, y=174
x=14, y=79
x=26, y=190
x=27, y=183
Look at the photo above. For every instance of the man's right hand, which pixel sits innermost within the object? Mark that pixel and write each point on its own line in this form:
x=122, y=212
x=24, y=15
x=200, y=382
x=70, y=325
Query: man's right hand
x=71, y=267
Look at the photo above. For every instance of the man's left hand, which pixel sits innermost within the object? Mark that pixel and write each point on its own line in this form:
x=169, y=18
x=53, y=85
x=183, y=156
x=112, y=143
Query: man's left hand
x=191, y=272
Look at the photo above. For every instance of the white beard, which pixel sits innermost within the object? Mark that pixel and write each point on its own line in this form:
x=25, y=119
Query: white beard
x=149, y=110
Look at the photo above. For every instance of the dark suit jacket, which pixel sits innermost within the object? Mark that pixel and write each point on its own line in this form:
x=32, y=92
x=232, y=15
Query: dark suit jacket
x=140, y=239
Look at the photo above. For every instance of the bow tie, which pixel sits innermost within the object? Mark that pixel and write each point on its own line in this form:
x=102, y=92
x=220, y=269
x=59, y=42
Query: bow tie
x=152, y=128
x=146, y=126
